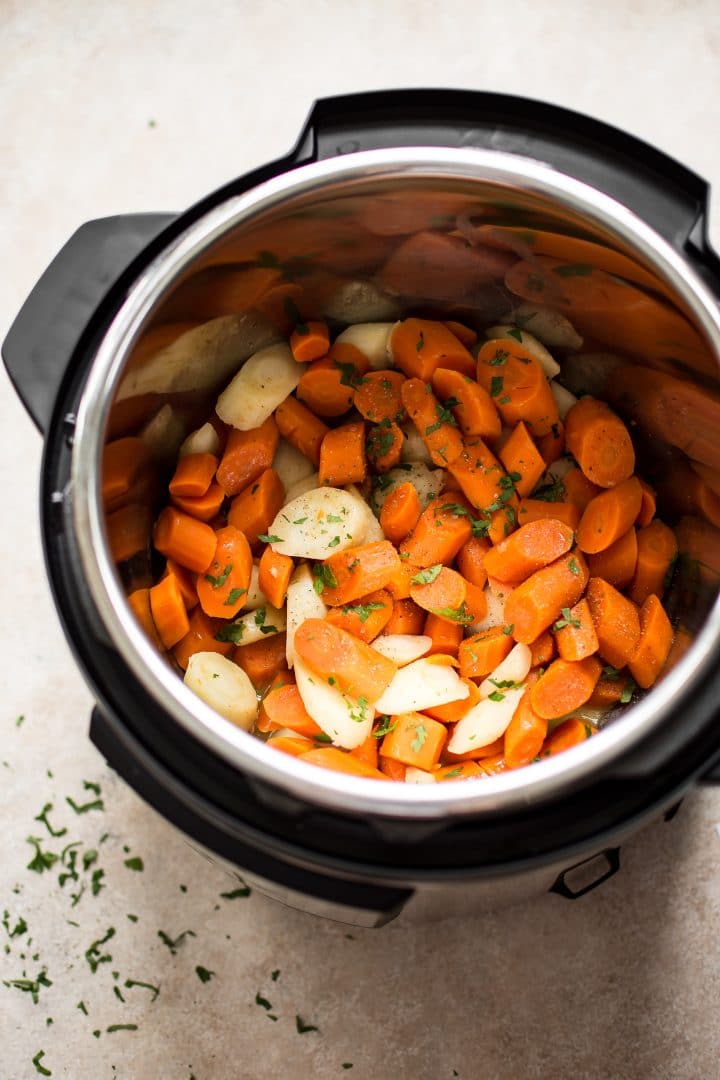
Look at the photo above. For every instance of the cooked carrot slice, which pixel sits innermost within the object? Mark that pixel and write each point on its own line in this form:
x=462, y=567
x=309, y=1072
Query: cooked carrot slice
x=329, y=757
x=400, y=512
x=609, y=515
x=575, y=634
x=481, y=653
x=566, y=685
x=274, y=573
x=193, y=475
x=656, y=553
x=222, y=589
x=342, y=456
x=616, y=620
x=652, y=650
x=168, y=611
x=384, y=446
x=255, y=508
x=471, y=406
x=435, y=424
x=570, y=733
x=420, y=346
x=538, y=602
x=616, y=563
x=358, y=571
x=301, y=428
x=529, y=549
x=600, y=443
x=200, y=638
x=377, y=398
x=406, y=618
x=442, y=529
x=261, y=660
x=517, y=384
x=415, y=740
x=182, y=538
x=520, y=455
x=247, y=455
x=309, y=341
x=356, y=668
x=365, y=619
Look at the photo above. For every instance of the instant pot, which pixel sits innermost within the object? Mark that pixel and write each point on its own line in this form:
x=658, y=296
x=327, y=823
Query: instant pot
x=339, y=220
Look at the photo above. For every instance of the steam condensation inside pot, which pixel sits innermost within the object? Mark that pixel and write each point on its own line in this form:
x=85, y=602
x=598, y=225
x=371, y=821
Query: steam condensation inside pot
x=379, y=269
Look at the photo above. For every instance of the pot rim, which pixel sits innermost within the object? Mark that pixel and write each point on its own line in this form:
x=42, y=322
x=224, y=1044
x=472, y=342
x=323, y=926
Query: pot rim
x=510, y=791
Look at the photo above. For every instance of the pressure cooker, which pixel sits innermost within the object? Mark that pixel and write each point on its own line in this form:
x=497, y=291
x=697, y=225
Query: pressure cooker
x=370, y=172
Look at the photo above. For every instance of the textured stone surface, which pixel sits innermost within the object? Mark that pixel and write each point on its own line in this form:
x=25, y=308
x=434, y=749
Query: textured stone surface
x=623, y=984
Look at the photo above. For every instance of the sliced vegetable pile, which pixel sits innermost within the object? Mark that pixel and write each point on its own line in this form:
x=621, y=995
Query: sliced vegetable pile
x=405, y=554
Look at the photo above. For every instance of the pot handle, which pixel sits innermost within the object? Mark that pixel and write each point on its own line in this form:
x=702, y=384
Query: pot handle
x=657, y=188
x=40, y=344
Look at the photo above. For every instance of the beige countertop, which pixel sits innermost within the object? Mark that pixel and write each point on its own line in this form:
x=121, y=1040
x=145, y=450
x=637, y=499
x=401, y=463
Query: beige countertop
x=106, y=108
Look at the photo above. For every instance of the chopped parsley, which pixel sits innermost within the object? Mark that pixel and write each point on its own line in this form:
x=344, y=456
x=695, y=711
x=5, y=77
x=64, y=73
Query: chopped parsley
x=274, y=975
x=426, y=577
x=573, y=567
x=611, y=673
x=363, y=611
x=508, y=629
x=234, y=633
x=174, y=945
x=496, y=385
x=38, y=1067
x=300, y=521
x=323, y=578
x=444, y=416
x=93, y=954
x=135, y=863
x=567, y=620
x=496, y=696
x=334, y=542
x=384, y=727
x=203, y=974
x=458, y=615
x=457, y=771
x=42, y=816
x=219, y=581
x=359, y=714
x=30, y=986
x=233, y=597
x=500, y=357
x=420, y=342
x=515, y=333
x=262, y=1001
x=270, y=538
x=554, y=491
x=349, y=375
x=42, y=860
x=302, y=1028
x=237, y=894
x=420, y=738
x=627, y=692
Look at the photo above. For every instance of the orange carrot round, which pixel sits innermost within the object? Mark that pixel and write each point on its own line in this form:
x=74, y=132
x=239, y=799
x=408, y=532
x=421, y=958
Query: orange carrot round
x=652, y=650
x=358, y=571
x=274, y=573
x=329, y=757
x=575, y=635
x=525, y=733
x=406, y=618
x=182, y=538
x=193, y=475
x=570, y=733
x=200, y=638
x=301, y=428
x=247, y=455
x=616, y=563
x=284, y=708
x=441, y=530
x=222, y=589
x=520, y=455
x=326, y=389
x=168, y=611
x=471, y=560
x=420, y=346
x=656, y=552
x=365, y=619
x=261, y=660
x=377, y=398
x=566, y=685
x=309, y=341
x=608, y=516
x=203, y=507
x=528, y=549
x=384, y=446
x=400, y=512
x=517, y=384
x=415, y=740
x=470, y=404
x=481, y=653
x=446, y=636
x=616, y=621
x=600, y=443
x=342, y=456
x=255, y=508
x=435, y=423
x=356, y=668
x=441, y=591
x=538, y=602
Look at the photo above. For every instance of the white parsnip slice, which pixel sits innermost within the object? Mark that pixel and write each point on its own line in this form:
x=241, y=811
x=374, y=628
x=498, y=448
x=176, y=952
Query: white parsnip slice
x=371, y=338
x=347, y=721
x=402, y=649
x=563, y=398
x=223, y=686
x=320, y=523
x=484, y=723
x=261, y=384
x=418, y=776
x=291, y=466
x=256, y=625
x=421, y=685
x=302, y=603
x=513, y=669
x=203, y=441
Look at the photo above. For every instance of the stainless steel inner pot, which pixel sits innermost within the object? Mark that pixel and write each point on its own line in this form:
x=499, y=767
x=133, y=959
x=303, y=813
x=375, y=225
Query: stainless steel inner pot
x=335, y=228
